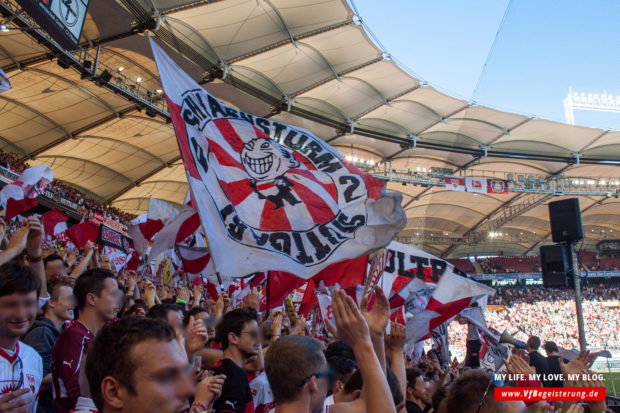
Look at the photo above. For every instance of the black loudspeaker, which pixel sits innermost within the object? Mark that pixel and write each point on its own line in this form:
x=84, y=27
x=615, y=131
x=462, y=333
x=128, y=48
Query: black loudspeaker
x=565, y=218
x=555, y=264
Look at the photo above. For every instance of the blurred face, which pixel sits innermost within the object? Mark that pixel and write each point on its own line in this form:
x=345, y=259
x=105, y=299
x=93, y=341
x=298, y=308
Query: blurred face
x=161, y=380
x=175, y=319
x=108, y=303
x=55, y=268
x=319, y=391
x=63, y=306
x=17, y=313
x=249, y=339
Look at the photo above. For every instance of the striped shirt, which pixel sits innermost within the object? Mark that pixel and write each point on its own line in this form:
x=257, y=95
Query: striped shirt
x=21, y=369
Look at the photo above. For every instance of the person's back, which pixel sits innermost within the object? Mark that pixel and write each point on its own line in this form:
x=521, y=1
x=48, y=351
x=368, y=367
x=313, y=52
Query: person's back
x=553, y=364
x=536, y=359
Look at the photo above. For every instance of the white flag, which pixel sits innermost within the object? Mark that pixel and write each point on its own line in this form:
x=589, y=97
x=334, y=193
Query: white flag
x=272, y=196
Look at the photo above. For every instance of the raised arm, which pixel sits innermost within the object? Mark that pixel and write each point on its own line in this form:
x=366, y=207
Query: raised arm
x=353, y=330
x=35, y=253
x=377, y=320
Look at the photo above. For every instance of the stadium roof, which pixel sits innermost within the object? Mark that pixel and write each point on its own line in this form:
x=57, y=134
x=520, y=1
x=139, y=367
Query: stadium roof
x=304, y=63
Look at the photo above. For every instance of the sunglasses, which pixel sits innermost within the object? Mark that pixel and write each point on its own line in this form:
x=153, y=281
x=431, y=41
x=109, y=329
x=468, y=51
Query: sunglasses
x=254, y=334
x=329, y=374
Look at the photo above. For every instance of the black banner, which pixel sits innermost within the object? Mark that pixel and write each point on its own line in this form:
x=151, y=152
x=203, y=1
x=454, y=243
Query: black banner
x=111, y=238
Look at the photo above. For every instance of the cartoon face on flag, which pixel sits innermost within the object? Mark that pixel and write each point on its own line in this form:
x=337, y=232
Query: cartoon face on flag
x=268, y=187
x=273, y=196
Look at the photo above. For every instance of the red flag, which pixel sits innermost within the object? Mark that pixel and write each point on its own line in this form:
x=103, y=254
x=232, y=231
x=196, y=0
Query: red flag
x=15, y=207
x=133, y=261
x=52, y=218
x=309, y=299
x=80, y=234
x=150, y=227
x=347, y=273
x=195, y=260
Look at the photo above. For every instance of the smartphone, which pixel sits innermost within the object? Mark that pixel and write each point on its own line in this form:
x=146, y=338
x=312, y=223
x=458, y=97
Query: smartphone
x=198, y=362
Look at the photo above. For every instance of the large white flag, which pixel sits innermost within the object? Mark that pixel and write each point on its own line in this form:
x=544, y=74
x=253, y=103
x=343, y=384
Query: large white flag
x=272, y=196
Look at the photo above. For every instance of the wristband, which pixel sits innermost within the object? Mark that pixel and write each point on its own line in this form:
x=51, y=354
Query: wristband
x=181, y=301
x=35, y=259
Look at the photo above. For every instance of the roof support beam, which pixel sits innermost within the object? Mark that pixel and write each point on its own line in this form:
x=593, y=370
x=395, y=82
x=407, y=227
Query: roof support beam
x=36, y=112
x=86, y=128
x=89, y=161
x=141, y=179
x=74, y=84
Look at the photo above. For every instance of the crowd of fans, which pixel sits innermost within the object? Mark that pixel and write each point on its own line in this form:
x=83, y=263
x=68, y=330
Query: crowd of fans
x=550, y=314
x=109, y=342
x=84, y=205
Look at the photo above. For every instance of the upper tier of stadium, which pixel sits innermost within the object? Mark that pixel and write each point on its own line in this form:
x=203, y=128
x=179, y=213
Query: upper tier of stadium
x=97, y=116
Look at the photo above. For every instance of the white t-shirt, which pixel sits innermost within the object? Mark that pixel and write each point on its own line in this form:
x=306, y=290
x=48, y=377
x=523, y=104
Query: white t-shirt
x=21, y=369
x=329, y=400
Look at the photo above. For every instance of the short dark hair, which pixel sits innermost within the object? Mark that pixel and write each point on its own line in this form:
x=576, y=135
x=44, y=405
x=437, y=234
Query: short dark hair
x=110, y=353
x=551, y=347
x=91, y=282
x=343, y=366
x=193, y=312
x=465, y=393
x=356, y=382
x=339, y=348
x=54, y=285
x=533, y=342
x=160, y=311
x=288, y=362
x=233, y=322
x=15, y=279
x=412, y=375
x=53, y=257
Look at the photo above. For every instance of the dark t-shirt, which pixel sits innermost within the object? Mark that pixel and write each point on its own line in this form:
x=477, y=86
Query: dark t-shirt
x=553, y=363
x=540, y=364
x=413, y=408
x=236, y=395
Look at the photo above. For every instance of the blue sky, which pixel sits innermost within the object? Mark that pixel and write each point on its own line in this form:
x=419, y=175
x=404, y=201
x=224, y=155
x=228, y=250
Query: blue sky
x=542, y=49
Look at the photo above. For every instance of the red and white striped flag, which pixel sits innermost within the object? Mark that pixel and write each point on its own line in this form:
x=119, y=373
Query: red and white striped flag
x=184, y=224
x=196, y=261
x=453, y=294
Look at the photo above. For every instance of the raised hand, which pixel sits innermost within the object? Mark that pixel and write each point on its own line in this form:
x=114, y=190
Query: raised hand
x=184, y=294
x=351, y=327
x=517, y=365
x=581, y=362
x=209, y=389
x=196, y=336
x=35, y=237
x=378, y=317
x=252, y=300
x=395, y=341
x=18, y=239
